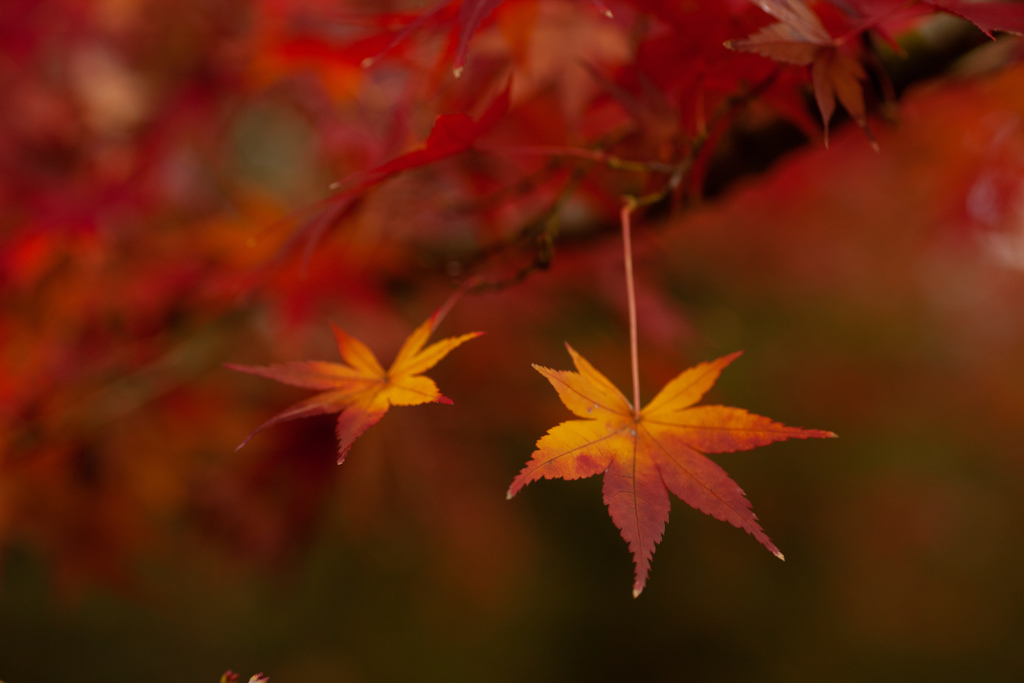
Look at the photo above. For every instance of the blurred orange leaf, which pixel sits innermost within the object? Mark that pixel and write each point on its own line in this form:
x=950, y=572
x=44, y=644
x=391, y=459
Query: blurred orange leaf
x=647, y=453
x=361, y=391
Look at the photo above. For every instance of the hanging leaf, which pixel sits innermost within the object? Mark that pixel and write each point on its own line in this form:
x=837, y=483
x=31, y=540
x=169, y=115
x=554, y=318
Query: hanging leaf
x=645, y=454
x=800, y=38
x=360, y=389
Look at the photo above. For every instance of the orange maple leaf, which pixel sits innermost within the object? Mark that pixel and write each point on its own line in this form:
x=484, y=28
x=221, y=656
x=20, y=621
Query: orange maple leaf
x=800, y=38
x=361, y=391
x=647, y=453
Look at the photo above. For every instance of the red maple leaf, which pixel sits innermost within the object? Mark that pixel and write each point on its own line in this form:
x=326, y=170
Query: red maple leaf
x=799, y=37
x=987, y=16
x=451, y=134
x=645, y=454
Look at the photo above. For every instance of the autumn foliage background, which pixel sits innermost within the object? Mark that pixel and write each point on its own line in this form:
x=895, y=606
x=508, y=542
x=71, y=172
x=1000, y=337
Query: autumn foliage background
x=184, y=185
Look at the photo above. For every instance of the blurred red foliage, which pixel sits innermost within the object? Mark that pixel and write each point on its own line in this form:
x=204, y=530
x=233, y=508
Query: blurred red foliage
x=187, y=183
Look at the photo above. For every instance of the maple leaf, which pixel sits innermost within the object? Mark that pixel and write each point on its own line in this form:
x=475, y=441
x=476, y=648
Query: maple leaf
x=451, y=134
x=800, y=38
x=987, y=16
x=361, y=391
x=647, y=453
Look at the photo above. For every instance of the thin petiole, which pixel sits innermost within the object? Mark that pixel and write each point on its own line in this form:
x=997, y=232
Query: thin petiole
x=627, y=249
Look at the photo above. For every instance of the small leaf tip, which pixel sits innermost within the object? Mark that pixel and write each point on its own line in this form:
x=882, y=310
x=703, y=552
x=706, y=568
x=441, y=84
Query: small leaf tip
x=637, y=592
x=779, y=555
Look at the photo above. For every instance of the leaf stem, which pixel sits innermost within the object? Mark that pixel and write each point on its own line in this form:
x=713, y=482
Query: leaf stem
x=628, y=206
